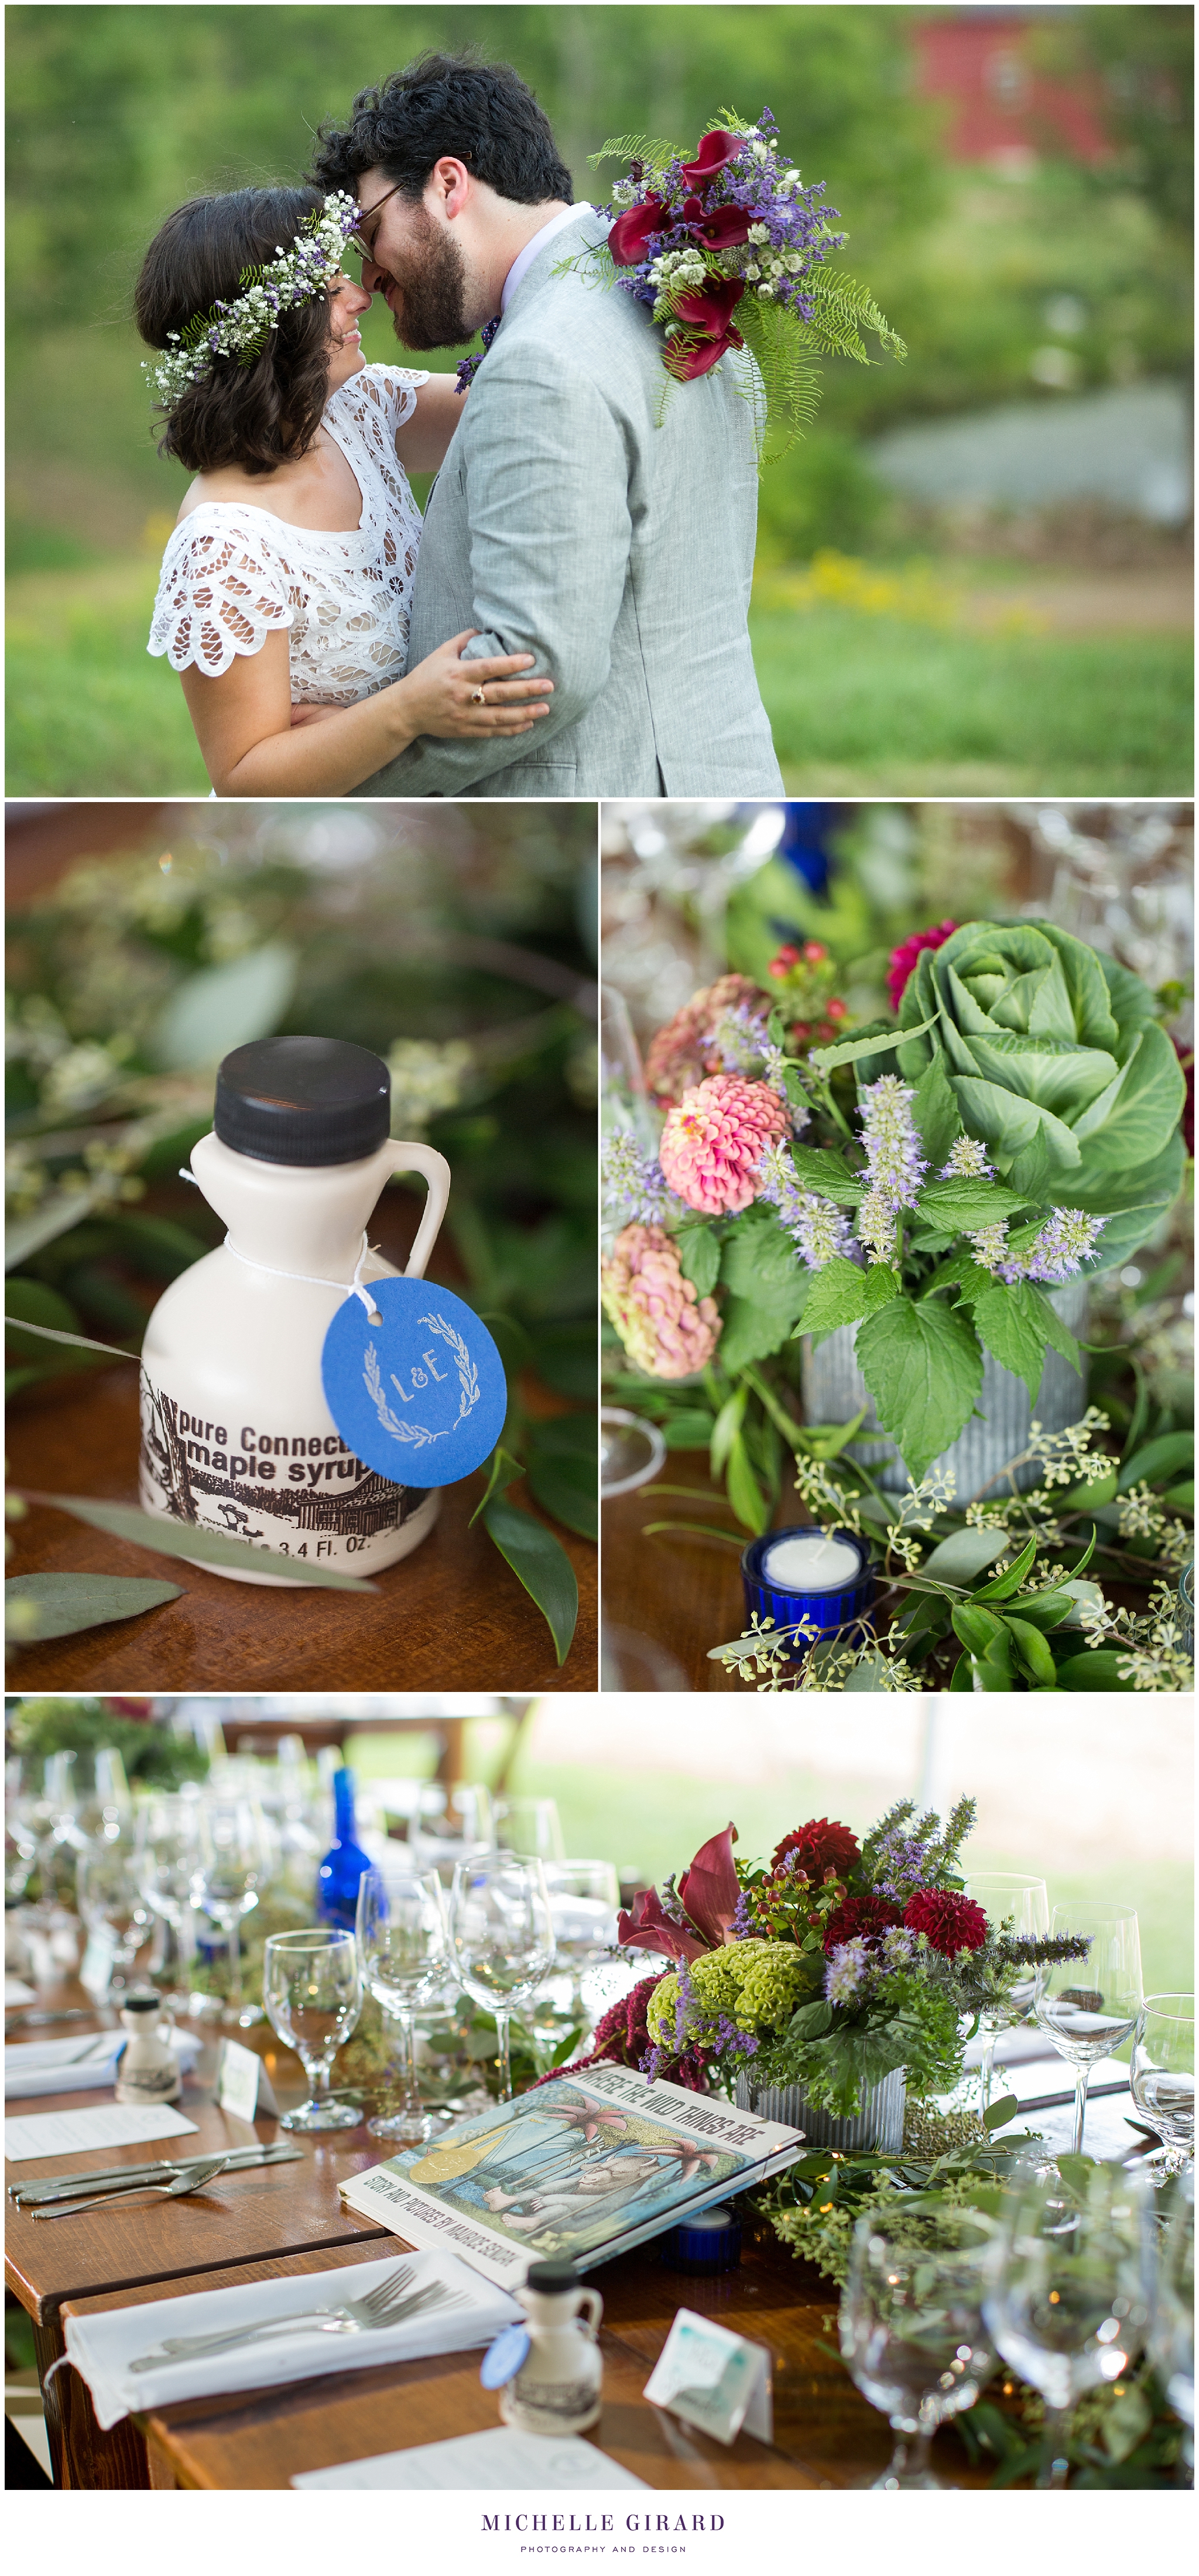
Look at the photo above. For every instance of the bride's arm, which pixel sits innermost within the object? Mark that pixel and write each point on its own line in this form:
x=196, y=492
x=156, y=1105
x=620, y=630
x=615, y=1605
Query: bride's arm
x=243, y=720
x=422, y=440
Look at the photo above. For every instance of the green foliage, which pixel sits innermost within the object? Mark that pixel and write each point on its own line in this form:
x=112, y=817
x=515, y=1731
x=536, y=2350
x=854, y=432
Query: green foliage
x=63, y=1605
x=541, y=1564
x=923, y=1366
x=149, y=1752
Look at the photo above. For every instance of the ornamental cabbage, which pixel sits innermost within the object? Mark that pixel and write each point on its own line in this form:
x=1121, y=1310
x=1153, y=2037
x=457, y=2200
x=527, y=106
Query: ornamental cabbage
x=1060, y=1066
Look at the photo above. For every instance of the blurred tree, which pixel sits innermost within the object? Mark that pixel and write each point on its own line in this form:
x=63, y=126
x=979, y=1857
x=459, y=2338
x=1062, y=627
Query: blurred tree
x=1144, y=62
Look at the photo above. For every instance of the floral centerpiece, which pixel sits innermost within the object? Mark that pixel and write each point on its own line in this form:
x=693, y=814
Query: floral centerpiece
x=826, y=1968
x=924, y=1184
x=728, y=248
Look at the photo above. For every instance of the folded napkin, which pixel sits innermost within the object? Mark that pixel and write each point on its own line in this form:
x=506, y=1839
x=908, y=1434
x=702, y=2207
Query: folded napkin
x=102, y=2347
x=77, y=2065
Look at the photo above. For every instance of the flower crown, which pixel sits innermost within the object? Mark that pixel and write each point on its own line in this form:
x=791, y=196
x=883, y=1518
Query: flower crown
x=240, y=330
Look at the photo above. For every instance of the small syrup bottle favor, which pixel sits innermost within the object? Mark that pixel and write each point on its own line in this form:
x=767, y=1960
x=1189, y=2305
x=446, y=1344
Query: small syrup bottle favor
x=147, y=2069
x=237, y=1434
x=550, y=2374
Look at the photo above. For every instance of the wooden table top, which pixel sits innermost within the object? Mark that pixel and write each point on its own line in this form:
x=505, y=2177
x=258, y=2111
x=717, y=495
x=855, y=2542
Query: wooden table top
x=825, y=2433
x=682, y=1593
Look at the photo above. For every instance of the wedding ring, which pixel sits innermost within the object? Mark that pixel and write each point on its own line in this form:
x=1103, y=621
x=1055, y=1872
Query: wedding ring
x=478, y=698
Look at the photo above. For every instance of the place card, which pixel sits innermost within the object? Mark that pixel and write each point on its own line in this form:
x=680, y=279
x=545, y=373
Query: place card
x=98, y=1960
x=243, y=2085
x=713, y=2379
x=72, y=2133
x=504, y=2462
x=17, y=1992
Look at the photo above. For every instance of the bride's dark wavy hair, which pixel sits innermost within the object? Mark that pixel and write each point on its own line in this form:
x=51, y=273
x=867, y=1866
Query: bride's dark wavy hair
x=259, y=415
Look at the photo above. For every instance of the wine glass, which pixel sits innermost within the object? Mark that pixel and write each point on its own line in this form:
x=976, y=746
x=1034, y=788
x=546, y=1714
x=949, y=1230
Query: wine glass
x=232, y=1864
x=1021, y=1906
x=402, y=1946
x=100, y=1806
x=531, y=1827
x=1168, y=2248
x=1163, y=2078
x=109, y=1895
x=1088, y=2008
x=584, y=1904
x=313, y=1995
x=912, y=2334
x=1064, y=2299
x=167, y=1857
x=502, y=1936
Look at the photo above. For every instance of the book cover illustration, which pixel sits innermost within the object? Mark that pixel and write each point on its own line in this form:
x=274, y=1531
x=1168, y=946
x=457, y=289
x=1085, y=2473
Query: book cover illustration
x=578, y=2169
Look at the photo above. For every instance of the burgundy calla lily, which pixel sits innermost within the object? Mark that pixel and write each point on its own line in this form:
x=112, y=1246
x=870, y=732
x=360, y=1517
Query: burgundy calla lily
x=632, y=231
x=715, y=151
x=709, y=1889
x=649, y=1928
x=725, y=226
x=707, y=332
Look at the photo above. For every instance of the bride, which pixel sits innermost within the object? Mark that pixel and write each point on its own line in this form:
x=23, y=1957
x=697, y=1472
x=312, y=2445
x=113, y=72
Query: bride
x=284, y=597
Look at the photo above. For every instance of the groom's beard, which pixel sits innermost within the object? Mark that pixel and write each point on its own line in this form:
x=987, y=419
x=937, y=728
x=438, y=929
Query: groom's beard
x=431, y=284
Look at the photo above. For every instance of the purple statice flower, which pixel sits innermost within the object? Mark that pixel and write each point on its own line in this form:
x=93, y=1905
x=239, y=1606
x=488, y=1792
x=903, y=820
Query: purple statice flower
x=635, y=1191
x=847, y=1971
x=733, y=2041
x=468, y=368
x=743, y=1916
x=1065, y=1241
x=685, y=1999
x=817, y=1227
x=791, y=227
x=967, y=1161
x=651, y=2064
x=900, y=1865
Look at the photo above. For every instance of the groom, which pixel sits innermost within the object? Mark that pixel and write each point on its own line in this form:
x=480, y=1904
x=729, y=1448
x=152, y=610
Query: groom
x=572, y=519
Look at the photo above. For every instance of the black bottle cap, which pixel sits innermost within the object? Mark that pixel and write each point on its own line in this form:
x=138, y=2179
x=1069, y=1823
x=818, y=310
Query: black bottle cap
x=303, y=1100
x=142, y=2000
x=551, y=2277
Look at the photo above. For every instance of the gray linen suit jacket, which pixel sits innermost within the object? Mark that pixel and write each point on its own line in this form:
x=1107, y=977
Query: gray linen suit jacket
x=567, y=523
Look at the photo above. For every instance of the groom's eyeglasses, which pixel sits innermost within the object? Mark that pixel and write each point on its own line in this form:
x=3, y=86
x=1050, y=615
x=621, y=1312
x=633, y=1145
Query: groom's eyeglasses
x=358, y=240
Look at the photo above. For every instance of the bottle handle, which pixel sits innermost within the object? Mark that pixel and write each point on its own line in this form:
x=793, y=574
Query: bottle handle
x=424, y=1158
x=591, y=2300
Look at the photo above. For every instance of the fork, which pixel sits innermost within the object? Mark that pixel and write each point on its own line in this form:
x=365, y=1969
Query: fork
x=389, y=2303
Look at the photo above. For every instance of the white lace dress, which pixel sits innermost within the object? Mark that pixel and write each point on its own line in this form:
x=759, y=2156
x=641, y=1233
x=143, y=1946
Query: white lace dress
x=233, y=574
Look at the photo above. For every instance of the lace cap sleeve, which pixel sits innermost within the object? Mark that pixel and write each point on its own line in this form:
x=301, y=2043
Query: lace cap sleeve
x=398, y=389
x=222, y=591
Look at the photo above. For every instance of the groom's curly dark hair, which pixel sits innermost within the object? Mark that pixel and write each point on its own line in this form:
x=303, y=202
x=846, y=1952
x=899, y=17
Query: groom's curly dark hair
x=481, y=113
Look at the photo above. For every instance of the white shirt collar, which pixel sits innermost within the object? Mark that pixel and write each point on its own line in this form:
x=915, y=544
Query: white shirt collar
x=524, y=259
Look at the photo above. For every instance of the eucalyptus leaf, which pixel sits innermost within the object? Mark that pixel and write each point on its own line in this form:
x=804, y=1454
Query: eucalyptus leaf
x=63, y=1605
x=541, y=1565
x=51, y=1333
x=224, y=1007
x=1158, y=1459
x=962, y=1556
x=199, y=1546
x=56, y=1215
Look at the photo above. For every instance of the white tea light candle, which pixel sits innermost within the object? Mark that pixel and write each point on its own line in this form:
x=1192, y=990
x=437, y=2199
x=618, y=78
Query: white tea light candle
x=808, y=1562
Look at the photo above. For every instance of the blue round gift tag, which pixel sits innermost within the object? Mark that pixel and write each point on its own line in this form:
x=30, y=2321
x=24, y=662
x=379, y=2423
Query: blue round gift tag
x=421, y=1395
x=505, y=2357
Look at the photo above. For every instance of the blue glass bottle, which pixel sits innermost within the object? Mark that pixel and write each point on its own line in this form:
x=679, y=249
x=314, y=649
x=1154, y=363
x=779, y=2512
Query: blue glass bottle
x=344, y=1862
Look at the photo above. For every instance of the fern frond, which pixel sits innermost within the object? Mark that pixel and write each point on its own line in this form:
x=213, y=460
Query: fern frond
x=634, y=147
x=789, y=376
x=843, y=310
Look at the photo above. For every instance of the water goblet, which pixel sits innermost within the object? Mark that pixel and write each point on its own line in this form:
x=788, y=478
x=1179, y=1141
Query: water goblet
x=531, y=1827
x=1163, y=2079
x=584, y=1904
x=502, y=1938
x=109, y=1895
x=1021, y=1906
x=402, y=1947
x=312, y=1995
x=232, y=1865
x=1088, y=2008
x=167, y=1858
x=912, y=2333
x=1064, y=2300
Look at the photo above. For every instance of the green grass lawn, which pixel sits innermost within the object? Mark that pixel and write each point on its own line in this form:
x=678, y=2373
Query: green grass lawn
x=860, y=705
x=878, y=706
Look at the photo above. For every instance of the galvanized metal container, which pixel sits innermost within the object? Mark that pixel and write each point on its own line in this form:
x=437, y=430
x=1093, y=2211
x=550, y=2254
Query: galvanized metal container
x=879, y=2123
x=834, y=1389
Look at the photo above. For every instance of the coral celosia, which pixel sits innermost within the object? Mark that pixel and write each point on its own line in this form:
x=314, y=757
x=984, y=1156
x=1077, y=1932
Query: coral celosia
x=686, y=1048
x=712, y=1142
x=666, y=1328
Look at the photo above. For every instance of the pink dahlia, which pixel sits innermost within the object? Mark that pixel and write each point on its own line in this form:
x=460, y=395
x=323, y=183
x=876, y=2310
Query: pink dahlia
x=713, y=1141
x=949, y=1922
x=685, y=1049
x=904, y=957
x=666, y=1328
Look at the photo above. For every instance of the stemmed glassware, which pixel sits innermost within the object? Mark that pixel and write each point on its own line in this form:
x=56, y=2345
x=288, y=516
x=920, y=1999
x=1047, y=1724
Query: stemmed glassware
x=401, y=1936
x=1088, y=2007
x=167, y=1846
x=912, y=2333
x=502, y=1938
x=312, y=1995
x=1168, y=2250
x=94, y=1796
x=1064, y=2298
x=110, y=1900
x=1021, y=1905
x=232, y=1864
x=530, y=1827
x=584, y=1904
x=1163, y=2079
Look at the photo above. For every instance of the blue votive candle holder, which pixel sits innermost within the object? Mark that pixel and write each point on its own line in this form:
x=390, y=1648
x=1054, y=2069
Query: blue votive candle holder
x=709, y=2242
x=793, y=1574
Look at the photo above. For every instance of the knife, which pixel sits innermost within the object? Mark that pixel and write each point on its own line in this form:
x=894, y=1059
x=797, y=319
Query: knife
x=67, y=2186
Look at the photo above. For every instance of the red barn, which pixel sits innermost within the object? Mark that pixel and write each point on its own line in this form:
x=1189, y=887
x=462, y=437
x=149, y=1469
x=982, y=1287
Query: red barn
x=982, y=62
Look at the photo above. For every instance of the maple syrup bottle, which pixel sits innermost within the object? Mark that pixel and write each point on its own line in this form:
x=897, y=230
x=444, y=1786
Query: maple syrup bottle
x=236, y=1434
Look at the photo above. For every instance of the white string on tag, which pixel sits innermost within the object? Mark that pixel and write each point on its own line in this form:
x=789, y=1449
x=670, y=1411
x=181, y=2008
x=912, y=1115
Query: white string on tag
x=350, y=1288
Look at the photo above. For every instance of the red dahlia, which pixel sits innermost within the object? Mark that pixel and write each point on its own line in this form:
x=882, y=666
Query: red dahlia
x=857, y=1917
x=820, y=1846
x=950, y=1923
